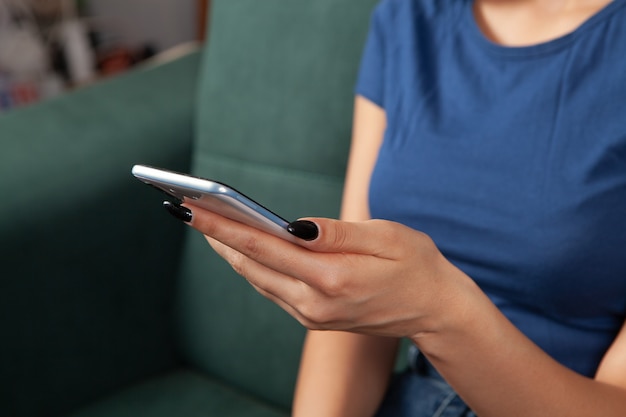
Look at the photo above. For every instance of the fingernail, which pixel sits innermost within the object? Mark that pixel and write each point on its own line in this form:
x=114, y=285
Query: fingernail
x=180, y=212
x=303, y=229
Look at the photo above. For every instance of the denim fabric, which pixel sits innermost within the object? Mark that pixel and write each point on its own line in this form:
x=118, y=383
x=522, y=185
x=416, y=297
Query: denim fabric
x=421, y=392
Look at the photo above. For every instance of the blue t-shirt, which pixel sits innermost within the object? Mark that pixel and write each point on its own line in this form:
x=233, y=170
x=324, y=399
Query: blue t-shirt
x=513, y=160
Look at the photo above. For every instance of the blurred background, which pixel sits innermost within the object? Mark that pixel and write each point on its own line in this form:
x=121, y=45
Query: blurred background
x=48, y=47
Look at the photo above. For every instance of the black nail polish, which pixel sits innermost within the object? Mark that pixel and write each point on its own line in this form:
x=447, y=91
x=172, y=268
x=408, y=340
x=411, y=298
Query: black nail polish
x=180, y=212
x=303, y=229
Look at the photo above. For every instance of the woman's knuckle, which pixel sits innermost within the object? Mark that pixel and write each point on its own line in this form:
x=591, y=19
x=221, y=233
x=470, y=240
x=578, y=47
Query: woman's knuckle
x=341, y=237
x=207, y=228
x=332, y=286
x=238, y=262
x=307, y=311
x=317, y=314
x=336, y=282
x=251, y=246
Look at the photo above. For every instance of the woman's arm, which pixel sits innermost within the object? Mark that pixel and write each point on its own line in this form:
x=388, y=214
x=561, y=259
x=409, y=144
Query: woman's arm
x=499, y=372
x=380, y=278
x=346, y=374
x=612, y=369
x=343, y=374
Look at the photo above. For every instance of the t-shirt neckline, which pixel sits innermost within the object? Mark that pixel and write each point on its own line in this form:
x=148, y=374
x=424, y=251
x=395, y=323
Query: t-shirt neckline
x=542, y=48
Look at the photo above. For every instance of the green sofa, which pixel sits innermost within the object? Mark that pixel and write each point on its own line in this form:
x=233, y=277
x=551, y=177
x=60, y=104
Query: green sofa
x=108, y=307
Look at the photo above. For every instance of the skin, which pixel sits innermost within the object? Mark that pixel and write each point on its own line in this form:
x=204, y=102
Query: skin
x=524, y=22
x=363, y=283
x=332, y=366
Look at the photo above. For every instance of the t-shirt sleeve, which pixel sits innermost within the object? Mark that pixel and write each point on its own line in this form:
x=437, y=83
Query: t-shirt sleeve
x=371, y=81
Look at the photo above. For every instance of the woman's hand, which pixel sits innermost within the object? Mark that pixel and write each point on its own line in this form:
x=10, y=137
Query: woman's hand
x=375, y=277
x=381, y=278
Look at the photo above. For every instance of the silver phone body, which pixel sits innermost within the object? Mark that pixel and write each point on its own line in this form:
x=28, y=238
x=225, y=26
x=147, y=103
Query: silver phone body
x=216, y=197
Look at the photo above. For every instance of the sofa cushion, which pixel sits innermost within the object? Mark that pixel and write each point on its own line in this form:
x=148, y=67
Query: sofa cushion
x=278, y=82
x=86, y=283
x=182, y=394
x=273, y=120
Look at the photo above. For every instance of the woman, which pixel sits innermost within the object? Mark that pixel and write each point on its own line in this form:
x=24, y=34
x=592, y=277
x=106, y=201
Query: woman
x=493, y=131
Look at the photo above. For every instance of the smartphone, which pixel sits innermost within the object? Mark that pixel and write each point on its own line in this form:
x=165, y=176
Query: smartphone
x=214, y=196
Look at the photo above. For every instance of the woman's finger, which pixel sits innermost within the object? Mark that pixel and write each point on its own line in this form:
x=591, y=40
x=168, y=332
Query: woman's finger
x=373, y=237
x=271, y=282
x=274, y=253
x=296, y=298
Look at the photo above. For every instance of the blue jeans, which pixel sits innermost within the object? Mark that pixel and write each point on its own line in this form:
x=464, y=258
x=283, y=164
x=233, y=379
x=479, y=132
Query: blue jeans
x=421, y=392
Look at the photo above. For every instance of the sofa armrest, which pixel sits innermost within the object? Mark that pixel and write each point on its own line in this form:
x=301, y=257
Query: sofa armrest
x=83, y=309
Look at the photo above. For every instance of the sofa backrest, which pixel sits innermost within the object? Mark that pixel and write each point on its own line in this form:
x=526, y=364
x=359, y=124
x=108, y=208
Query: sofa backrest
x=274, y=120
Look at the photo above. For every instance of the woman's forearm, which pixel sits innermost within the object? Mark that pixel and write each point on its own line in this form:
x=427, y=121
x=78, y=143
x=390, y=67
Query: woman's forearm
x=500, y=372
x=343, y=374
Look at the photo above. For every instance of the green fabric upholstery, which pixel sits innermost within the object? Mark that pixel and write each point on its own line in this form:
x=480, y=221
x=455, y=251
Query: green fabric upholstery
x=88, y=263
x=179, y=394
x=108, y=307
x=274, y=120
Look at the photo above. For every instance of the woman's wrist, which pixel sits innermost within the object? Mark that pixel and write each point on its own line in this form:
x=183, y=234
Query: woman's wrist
x=456, y=314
